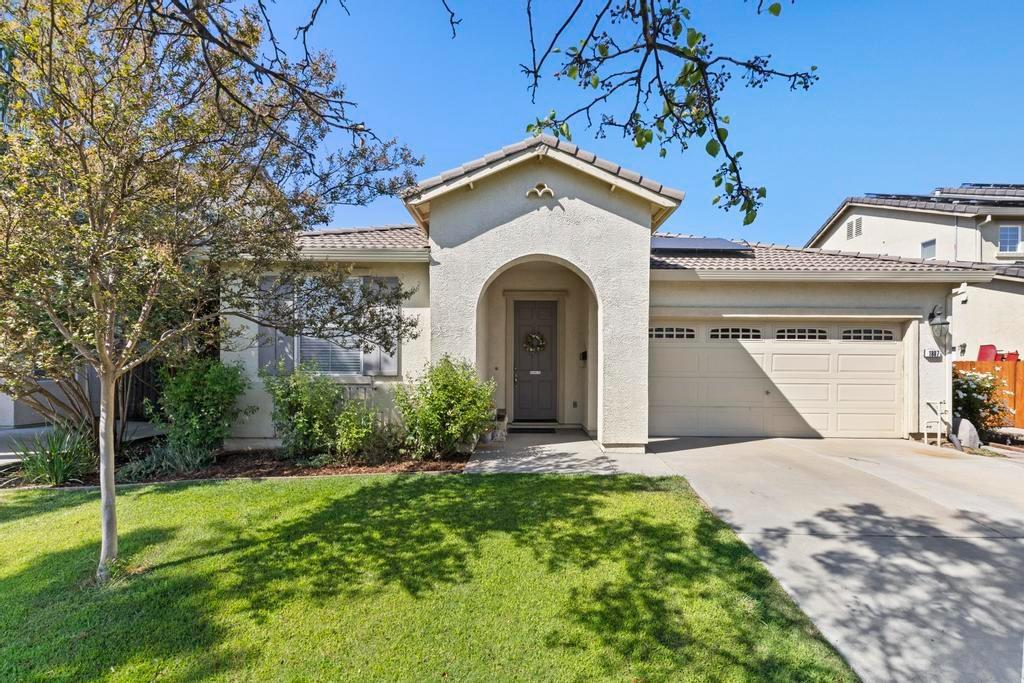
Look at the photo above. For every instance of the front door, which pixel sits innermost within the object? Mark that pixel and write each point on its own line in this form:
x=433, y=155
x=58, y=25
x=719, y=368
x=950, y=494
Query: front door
x=534, y=373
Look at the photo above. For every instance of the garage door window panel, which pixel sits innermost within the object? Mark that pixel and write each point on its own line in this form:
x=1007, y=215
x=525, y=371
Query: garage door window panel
x=671, y=333
x=801, y=334
x=867, y=334
x=738, y=333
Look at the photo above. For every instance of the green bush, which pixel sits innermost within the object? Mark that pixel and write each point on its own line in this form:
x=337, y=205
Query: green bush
x=166, y=459
x=198, y=403
x=305, y=405
x=386, y=444
x=447, y=409
x=354, y=426
x=58, y=456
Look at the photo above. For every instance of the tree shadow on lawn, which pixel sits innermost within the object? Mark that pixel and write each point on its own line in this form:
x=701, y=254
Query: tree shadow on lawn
x=687, y=592
x=15, y=505
x=59, y=626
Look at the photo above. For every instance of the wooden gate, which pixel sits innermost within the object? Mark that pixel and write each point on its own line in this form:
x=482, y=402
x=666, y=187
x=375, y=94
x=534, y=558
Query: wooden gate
x=1010, y=372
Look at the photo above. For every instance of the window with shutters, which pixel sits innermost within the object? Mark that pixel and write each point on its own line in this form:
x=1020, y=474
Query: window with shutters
x=330, y=356
x=801, y=333
x=344, y=357
x=671, y=333
x=867, y=334
x=734, y=333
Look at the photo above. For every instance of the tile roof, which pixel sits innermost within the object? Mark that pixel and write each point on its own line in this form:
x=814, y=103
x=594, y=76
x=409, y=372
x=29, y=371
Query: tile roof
x=984, y=190
x=554, y=143
x=405, y=236
x=970, y=199
x=780, y=258
x=1015, y=269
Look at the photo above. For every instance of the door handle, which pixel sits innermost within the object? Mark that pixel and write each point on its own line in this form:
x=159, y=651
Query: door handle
x=515, y=376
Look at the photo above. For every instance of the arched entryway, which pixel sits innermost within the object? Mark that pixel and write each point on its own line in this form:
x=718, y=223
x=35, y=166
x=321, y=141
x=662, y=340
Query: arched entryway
x=537, y=337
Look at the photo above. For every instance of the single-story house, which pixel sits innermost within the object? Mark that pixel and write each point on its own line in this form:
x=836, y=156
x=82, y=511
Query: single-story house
x=544, y=266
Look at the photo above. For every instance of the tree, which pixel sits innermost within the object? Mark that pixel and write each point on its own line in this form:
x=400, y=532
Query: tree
x=149, y=179
x=649, y=72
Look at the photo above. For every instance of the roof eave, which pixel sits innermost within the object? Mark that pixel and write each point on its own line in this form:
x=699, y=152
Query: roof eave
x=418, y=203
x=818, y=276
x=380, y=255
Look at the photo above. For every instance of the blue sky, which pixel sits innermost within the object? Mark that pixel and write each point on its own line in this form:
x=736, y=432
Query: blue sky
x=912, y=95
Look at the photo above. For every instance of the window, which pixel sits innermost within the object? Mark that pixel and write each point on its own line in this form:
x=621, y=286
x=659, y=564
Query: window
x=334, y=356
x=330, y=356
x=734, y=333
x=867, y=334
x=801, y=333
x=928, y=249
x=671, y=333
x=1009, y=239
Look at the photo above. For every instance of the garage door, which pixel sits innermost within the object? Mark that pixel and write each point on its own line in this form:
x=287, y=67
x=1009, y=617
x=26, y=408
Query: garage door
x=775, y=379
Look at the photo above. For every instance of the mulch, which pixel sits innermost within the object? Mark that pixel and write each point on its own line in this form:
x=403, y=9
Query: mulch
x=258, y=464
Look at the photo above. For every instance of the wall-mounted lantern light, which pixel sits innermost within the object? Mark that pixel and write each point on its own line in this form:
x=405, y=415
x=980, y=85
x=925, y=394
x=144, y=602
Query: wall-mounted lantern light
x=939, y=323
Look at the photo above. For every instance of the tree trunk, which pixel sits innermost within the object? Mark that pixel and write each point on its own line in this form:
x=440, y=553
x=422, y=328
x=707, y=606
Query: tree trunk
x=108, y=512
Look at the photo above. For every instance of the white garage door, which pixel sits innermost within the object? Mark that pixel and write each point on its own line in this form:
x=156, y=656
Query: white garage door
x=775, y=379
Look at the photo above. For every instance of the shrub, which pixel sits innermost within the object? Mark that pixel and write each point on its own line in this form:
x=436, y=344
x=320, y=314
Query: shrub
x=167, y=459
x=980, y=398
x=58, y=456
x=447, y=409
x=387, y=443
x=198, y=403
x=305, y=405
x=354, y=426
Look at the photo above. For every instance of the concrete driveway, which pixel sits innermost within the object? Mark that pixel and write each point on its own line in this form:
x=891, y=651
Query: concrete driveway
x=909, y=558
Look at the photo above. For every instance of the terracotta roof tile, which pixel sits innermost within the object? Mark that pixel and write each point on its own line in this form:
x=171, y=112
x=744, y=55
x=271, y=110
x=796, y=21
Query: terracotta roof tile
x=378, y=237
x=553, y=143
x=780, y=258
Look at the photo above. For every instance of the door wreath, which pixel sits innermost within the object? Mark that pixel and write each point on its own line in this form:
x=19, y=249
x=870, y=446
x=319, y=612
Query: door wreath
x=534, y=342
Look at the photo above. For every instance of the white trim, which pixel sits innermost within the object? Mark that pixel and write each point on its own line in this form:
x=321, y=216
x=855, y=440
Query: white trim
x=419, y=206
x=791, y=313
x=381, y=255
x=819, y=276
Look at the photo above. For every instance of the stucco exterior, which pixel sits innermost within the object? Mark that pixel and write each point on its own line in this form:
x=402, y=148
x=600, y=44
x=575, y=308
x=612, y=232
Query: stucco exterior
x=989, y=313
x=601, y=235
x=413, y=355
x=547, y=222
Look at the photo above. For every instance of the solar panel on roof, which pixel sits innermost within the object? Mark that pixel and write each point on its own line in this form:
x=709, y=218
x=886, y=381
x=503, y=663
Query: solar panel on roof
x=693, y=244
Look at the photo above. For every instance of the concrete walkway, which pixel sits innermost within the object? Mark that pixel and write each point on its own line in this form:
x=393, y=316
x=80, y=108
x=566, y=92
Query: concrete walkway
x=909, y=558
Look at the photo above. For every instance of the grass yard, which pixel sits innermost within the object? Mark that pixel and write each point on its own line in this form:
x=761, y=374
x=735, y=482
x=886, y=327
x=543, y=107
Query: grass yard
x=413, y=578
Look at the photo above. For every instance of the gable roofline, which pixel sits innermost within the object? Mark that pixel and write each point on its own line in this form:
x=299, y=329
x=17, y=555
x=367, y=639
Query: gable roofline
x=937, y=204
x=663, y=200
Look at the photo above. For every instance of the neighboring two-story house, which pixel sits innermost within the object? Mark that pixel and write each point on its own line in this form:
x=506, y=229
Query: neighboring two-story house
x=974, y=223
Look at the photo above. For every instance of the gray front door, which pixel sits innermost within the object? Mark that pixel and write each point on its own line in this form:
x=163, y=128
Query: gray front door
x=535, y=371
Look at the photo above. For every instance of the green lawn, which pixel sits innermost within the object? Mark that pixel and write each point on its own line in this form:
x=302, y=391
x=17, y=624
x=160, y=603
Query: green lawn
x=415, y=578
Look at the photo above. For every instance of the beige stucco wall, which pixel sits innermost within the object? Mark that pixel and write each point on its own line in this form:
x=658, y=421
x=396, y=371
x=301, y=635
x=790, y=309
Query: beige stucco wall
x=900, y=233
x=603, y=236
x=555, y=282
x=413, y=355
x=928, y=380
x=990, y=313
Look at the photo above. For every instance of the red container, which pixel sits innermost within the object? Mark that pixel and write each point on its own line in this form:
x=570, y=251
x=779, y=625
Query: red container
x=987, y=352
